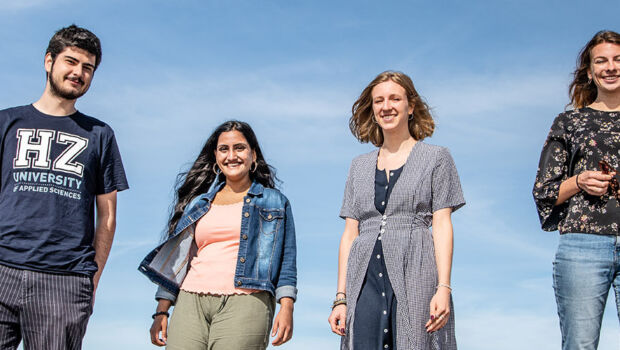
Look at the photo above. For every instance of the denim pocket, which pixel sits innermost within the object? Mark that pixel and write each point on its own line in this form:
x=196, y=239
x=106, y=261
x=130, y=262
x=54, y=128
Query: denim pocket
x=270, y=220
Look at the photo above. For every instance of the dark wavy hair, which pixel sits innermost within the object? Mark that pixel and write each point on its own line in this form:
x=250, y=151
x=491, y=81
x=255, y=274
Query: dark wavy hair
x=365, y=129
x=74, y=36
x=201, y=175
x=582, y=91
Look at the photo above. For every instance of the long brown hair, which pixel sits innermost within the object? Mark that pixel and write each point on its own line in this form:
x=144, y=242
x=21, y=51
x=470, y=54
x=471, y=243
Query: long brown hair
x=582, y=91
x=365, y=129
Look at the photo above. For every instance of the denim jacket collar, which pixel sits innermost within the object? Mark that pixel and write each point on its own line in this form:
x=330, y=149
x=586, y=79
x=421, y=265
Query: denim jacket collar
x=256, y=189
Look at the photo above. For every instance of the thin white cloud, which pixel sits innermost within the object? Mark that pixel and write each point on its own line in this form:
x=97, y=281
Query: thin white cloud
x=20, y=5
x=131, y=332
x=264, y=94
x=492, y=329
x=216, y=97
x=499, y=329
x=123, y=247
x=483, y=221
x=309, y=112
x=473, y=94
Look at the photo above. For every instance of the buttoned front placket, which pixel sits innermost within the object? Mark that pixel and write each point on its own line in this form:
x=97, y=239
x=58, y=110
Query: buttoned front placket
x=375, y=323
x=387, y=294
x=241, y=256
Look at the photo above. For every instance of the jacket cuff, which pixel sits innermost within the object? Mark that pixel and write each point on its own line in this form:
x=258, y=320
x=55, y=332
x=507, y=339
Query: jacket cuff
x=286, y=292
x=163, y=293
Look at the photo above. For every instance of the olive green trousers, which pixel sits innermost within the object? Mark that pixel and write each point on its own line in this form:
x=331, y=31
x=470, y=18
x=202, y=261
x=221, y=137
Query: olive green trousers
x=221, y=322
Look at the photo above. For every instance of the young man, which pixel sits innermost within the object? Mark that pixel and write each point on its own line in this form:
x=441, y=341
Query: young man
x=56, y=165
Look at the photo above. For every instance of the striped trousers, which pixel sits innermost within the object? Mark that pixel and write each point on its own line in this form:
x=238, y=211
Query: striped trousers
x=46, y=311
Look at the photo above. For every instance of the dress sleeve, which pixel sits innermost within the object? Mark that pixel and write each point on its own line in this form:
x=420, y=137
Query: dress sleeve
x=350, y=209
x=552, y=170
x=446, y=186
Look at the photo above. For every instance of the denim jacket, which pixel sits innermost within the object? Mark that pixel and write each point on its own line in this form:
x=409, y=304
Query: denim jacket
x=267, y=249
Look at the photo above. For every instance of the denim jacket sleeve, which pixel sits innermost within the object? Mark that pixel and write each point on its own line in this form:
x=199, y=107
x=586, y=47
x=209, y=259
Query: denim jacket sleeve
x=163, y=293
x=287, y=281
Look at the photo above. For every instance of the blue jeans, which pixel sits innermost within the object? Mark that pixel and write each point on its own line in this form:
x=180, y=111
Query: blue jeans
x=585, y=267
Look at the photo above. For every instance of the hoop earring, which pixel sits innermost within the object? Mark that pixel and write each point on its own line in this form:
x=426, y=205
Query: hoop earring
x=411, y=116
x=374, y=120
x=255, y=166
x=216, y=172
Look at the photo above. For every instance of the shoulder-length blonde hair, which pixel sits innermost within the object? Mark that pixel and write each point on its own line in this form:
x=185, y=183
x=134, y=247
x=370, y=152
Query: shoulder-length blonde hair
x=365, y=129
x=582, y=91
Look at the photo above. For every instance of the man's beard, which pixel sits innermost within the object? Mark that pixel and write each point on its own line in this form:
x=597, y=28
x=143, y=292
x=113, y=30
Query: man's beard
x=58, y=91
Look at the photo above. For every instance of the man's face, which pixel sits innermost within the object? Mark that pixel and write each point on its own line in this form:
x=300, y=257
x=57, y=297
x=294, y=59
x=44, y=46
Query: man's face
x=70, y=74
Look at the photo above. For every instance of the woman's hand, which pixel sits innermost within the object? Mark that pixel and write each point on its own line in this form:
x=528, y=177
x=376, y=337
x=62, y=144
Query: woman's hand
x=594, y=183
x=440, y=310
x=283, y=324
x=160, y=325
x=337, y=319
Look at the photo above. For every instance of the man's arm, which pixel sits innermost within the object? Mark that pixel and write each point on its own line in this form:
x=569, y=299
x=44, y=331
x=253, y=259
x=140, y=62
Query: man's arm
x=104, y=231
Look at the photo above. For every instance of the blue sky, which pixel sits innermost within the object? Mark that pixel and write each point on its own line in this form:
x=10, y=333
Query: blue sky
x=495, y=72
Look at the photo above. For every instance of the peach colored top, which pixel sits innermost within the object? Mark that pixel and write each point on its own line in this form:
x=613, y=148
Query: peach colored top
x=212, y=271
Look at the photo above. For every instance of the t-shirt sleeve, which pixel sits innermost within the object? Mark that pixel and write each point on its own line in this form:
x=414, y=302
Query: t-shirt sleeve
x=112, y=175
x=3, y=118
x=446, y=186
x=553, y=168
x=349, y=207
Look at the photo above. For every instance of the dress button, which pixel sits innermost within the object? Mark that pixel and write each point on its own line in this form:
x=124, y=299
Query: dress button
x=386, y=187
x=385, y=330
x=379, y=238
x=382, y=230
x=378, y=256
x=383, y=294
x=246, y=214
x=242, y=259
x=382, y=223
x=384, y=217
x=380, y=274
x=238, y=283
x=391, y=174
x=382, y=202
x=269, y=217
x=247, y=200
x=385, y=312
x=385, y=346
x=244, y=236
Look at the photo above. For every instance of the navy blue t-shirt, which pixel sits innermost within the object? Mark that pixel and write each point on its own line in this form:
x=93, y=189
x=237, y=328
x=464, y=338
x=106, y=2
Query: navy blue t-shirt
x=52, y=170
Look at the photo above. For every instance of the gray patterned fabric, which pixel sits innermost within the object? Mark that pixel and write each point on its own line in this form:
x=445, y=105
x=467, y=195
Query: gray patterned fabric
x=429, y=182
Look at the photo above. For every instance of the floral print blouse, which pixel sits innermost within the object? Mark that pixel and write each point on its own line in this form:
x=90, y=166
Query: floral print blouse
x=578, y=140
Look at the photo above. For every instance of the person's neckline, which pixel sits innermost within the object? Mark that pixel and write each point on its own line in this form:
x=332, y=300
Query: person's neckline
x=45, y=115
x=415, y=145
x=600, y=110
x=228, y=204
x=397, y=169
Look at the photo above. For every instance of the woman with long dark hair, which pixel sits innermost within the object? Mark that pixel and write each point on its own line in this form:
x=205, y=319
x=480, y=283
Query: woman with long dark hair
x=576, y=192
x=393, y=287
x=229, y=254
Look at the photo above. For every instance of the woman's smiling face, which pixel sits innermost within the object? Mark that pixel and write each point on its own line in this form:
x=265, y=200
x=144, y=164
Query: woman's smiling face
x=390, y=106
x=605, y=67
x=234, y=156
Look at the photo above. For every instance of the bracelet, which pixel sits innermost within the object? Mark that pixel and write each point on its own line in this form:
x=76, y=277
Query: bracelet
x=445, y=285
x=161, y=313
x=343, y=293
x=577, y=183
x=341, y=301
